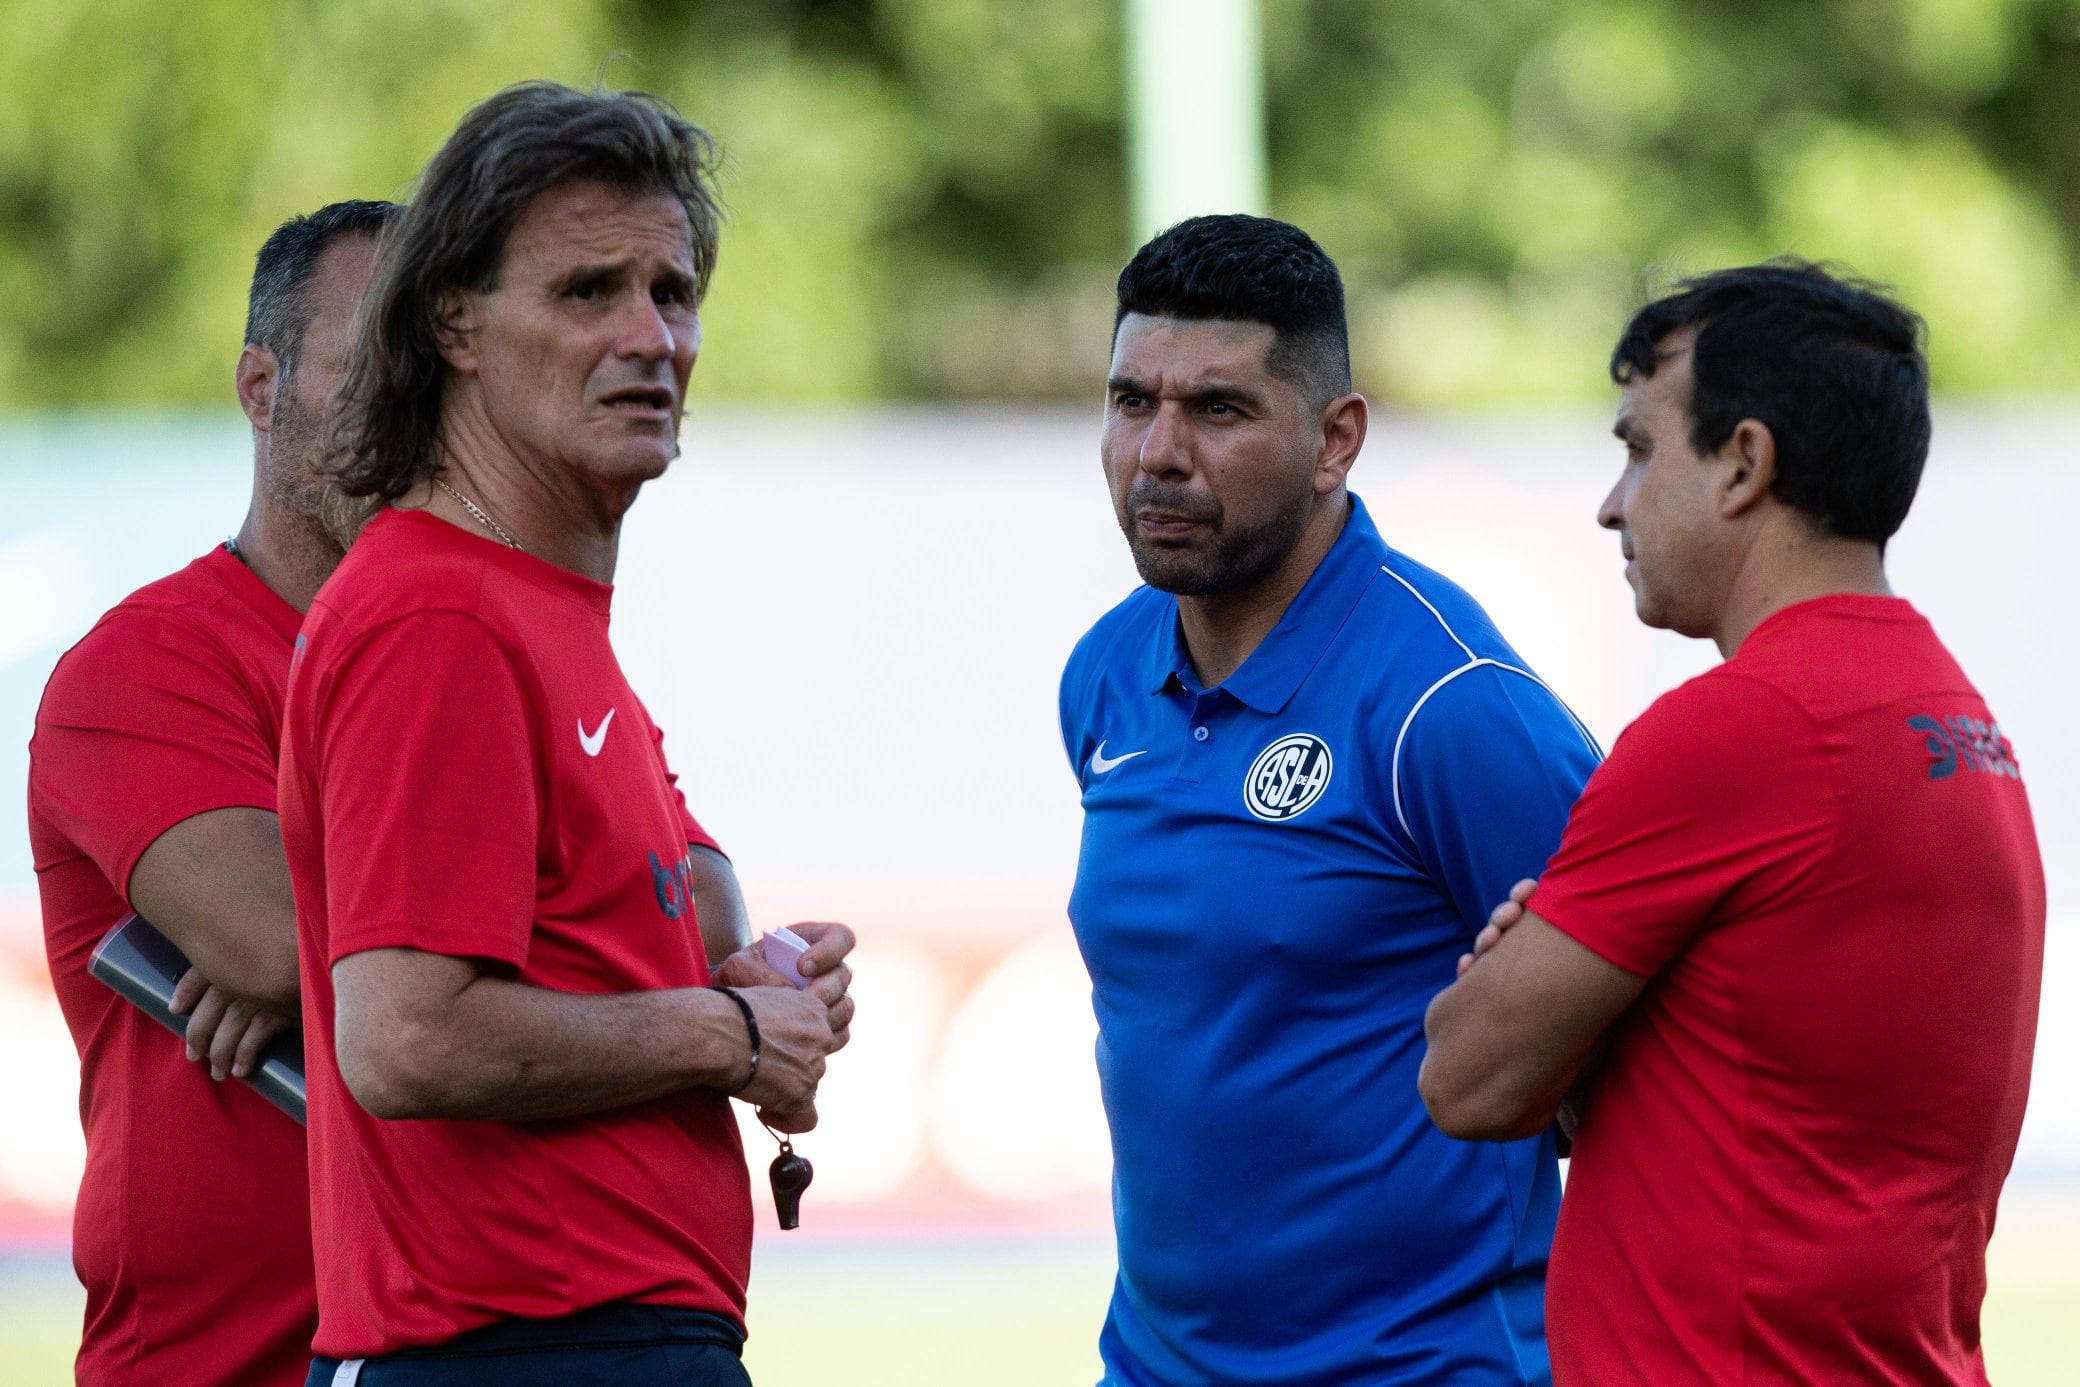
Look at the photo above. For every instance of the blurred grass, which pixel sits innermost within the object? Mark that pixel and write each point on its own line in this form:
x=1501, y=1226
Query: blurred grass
x=865, y=1314
x=40, y=1309
x=1027, y=1314
x=929, y=1315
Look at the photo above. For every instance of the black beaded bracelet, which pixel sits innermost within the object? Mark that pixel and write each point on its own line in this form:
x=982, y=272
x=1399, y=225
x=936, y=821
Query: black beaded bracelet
x=751, y=1025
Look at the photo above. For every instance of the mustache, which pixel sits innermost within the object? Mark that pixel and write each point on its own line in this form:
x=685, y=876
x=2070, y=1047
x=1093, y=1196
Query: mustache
x=1148, y=494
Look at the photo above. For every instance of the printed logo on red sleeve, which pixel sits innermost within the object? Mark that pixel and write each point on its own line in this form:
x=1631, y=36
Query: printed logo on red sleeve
x=673, y=885
x=1965, y=743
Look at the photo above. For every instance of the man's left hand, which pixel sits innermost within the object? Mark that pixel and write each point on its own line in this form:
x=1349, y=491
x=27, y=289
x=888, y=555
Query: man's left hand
x=1499, y=921
x=830, y=976
x=229, y=1031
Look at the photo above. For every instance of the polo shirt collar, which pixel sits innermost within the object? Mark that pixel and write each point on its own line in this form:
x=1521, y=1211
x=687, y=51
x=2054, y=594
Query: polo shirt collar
x=1274, y=671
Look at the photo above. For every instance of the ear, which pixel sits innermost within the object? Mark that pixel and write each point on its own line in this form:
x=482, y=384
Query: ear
x=1750, y=458
x=455, y=324
x=257, y=377
x=1344, y=421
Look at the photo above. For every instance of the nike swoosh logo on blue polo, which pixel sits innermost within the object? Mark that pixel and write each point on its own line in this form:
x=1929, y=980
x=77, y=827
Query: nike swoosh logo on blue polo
x=1100, y=765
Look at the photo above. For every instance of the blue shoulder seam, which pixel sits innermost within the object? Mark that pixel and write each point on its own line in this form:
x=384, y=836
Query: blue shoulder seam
x=1429, y=607
x=1473, y=663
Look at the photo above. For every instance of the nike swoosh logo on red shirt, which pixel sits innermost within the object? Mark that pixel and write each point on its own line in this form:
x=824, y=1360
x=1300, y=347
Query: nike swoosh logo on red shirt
x=592, y=741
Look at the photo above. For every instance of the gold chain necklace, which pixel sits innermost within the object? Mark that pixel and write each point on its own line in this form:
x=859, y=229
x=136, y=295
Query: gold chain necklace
x=478, y=514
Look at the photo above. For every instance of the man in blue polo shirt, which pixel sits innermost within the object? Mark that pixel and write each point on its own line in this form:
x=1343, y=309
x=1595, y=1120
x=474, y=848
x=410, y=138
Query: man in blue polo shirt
x=1309, y=766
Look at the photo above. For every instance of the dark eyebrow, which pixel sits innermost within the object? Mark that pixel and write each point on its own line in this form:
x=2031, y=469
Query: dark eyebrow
x=1209, y=391
x=587, y=274
x=1203, y=392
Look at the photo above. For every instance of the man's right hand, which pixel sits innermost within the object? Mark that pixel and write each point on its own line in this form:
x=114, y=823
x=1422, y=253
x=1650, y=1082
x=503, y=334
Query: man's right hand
x=428, y=1035
x=794, y=1030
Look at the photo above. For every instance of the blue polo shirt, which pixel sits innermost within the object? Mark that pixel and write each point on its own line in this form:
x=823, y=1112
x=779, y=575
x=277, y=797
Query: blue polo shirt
x=1276, y=877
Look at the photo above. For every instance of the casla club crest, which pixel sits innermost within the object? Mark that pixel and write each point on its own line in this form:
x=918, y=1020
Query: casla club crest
x=1287, y=777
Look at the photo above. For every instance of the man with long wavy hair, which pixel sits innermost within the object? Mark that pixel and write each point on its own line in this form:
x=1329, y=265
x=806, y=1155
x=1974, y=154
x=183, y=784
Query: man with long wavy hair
x=523, y=1158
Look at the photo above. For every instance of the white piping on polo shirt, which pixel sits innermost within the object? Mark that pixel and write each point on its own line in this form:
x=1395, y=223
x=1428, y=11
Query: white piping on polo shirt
x=1473, y=662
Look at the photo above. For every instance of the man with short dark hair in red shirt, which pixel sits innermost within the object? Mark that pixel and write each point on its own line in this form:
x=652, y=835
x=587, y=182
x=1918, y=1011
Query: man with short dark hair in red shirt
x=524, y=1163
x=152, y=786
x=1799, y=912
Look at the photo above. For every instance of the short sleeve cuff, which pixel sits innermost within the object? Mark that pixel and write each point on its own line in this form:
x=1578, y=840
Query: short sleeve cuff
x=413, y=934
x=1577, y=919
x=698, y=837
x=130, y=850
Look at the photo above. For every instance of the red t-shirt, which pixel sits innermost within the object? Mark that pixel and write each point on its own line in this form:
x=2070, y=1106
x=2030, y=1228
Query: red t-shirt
x=465, y=771
x=192, y=1230
x=1822, y=854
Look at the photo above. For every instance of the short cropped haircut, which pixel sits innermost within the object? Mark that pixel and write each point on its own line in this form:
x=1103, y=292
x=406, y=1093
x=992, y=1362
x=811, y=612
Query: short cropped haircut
x=278, y=307
x=1832, y=365
x=509, y=150
x=1255, y=270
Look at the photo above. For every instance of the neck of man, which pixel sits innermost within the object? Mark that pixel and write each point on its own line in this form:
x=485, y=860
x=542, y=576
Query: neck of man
x=1790, y=562
x=1223, y=629
x=547, y=509
x=289, y=552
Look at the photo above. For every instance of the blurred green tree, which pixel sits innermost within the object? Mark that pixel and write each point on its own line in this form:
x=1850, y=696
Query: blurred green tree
x=1502, y=181
x=929, y=195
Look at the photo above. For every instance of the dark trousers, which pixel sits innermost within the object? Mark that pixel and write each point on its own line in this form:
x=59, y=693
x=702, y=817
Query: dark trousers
x=639, y=1345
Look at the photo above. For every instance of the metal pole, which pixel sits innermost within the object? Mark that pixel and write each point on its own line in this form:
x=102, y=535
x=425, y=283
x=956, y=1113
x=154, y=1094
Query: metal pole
x=1195, y=110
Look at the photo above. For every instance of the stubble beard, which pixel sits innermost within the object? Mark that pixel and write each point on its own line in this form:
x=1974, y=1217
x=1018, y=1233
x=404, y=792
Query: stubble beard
x=1230, y=559
x=296, y=438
